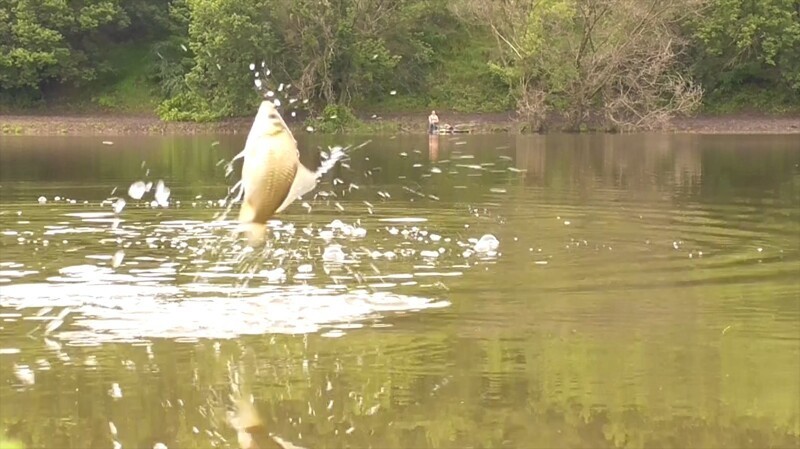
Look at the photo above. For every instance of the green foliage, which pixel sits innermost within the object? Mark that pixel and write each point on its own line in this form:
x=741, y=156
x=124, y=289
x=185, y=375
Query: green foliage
x=745, y=45
x=189, y=59
x=334, y=119
x=464, y=82
x=185, y=107
x=53, y=41
x=127, y=87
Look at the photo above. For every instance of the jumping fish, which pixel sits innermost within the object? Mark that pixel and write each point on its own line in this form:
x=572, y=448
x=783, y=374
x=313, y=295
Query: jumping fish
x=272, y=174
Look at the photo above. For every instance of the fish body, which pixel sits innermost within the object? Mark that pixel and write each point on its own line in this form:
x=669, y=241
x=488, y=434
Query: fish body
x=272, y=175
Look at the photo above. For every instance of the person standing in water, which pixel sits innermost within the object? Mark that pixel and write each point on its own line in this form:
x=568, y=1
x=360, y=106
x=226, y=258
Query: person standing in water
x=433, y=123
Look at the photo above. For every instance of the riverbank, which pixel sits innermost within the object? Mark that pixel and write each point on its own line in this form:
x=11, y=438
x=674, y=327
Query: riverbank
x=390, y=124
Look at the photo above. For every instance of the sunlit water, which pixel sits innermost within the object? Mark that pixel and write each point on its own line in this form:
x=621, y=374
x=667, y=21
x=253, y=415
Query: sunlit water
x=479, y=291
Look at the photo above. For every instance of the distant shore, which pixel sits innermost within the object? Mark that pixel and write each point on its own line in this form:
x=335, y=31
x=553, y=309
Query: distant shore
x=482, y=123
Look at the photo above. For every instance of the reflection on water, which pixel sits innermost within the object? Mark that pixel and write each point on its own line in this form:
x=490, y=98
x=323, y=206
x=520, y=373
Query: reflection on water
x=468, y=291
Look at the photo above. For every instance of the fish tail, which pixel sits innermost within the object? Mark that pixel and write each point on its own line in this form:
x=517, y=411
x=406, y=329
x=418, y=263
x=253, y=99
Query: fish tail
x=256, y=233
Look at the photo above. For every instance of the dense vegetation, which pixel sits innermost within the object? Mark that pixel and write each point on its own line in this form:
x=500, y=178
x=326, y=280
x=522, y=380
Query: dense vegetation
x=623, y=63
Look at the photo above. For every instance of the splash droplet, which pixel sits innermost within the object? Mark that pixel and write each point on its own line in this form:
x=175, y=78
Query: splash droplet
x=136, y=190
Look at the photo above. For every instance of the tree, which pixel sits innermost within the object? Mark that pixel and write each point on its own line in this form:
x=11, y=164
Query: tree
x=740, y=43
x=615, y=59
x=44, y=41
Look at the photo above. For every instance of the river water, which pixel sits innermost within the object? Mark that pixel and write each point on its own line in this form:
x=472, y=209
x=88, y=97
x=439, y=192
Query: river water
x=598, y=291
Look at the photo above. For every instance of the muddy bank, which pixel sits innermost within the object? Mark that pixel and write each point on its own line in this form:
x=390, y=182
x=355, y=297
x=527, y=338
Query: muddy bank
x=390, y=123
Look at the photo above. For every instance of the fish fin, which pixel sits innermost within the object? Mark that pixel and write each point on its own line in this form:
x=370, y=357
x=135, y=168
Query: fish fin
x=256, y=233
x=304, y=181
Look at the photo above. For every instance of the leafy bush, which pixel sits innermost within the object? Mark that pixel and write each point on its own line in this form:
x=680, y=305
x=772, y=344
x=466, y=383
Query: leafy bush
x=334, y=119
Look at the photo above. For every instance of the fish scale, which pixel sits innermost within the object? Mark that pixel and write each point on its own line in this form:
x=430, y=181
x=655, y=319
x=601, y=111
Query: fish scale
x=275, y=183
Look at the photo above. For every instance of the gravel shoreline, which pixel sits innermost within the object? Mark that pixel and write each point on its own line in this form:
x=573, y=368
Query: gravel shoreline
x=410, y=123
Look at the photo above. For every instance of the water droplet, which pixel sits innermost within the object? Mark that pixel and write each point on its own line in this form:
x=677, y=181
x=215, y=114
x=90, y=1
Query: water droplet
x=119, y=205
x=394, y=92
x=162, y=194
x=252, y=66
x=116, y=260
x=136, y=190
x=42, y=200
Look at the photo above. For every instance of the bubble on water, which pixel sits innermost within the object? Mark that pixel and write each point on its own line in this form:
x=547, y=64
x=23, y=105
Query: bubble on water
x=136, y=190
x=24, y=374
x=42, y=200
x=275, y=275
x=115, y=391
x=333, y=253
x=486, y=243
x=119, y=205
